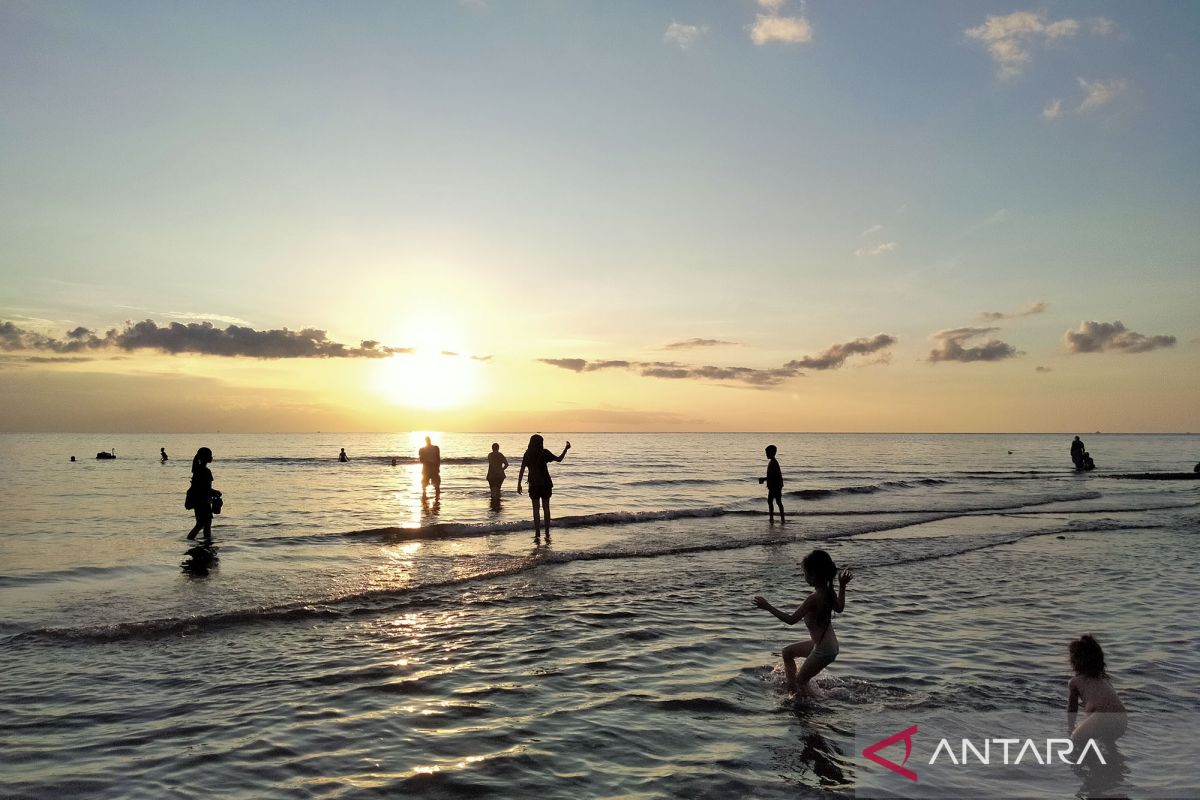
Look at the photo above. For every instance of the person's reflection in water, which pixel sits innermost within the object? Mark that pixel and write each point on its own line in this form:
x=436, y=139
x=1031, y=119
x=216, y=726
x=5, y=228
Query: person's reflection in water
x=1103, y=779
x=429, y=511
x=816, y=755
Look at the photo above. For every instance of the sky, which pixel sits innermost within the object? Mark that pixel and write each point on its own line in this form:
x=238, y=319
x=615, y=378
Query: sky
x=507, y=215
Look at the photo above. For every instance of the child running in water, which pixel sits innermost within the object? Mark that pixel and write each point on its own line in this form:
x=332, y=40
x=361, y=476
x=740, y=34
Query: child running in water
x=817, y=613
x=1106, y=718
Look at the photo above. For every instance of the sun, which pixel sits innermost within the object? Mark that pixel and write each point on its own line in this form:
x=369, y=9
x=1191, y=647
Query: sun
x=437, y=375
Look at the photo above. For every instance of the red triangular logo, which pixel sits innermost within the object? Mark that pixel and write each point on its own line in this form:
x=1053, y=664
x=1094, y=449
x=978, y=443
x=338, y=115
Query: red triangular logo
x=872, y=752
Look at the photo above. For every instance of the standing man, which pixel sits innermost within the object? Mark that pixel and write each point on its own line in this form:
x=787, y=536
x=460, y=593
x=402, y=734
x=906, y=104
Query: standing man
x=431, y=467
x=1077, y=453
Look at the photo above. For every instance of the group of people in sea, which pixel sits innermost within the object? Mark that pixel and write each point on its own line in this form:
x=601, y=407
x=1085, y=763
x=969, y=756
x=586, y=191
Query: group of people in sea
x=1089, y=688
x=1080, y=457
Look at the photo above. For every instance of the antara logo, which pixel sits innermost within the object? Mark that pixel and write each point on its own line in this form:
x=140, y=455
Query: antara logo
x=906, y=734
x=1063, y=749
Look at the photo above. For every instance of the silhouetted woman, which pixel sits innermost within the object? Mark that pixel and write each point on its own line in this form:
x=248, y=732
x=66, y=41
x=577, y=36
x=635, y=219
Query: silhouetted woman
x=497, y=463
x=537, y=460
x=201, y=493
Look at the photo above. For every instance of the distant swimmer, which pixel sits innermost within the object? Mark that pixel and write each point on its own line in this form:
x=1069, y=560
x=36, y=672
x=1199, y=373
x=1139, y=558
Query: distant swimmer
x=201, y=497
x=1197, y=466
x=1106, y=716
x=1077, y=453
x=774, y=482
x=1086, y=463
x=162, y=451
x=537, y=460
x=497, y=463
x=817, y=613
x=394, y=461
x=431, y=467
x=342, y=456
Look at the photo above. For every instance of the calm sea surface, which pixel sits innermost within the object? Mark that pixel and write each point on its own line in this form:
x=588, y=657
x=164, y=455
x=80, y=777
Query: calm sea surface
x=355, y=641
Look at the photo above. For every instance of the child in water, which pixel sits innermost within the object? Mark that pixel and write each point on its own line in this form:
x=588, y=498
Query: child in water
x=1106, y=718
x=774, y=482
x=817, y=613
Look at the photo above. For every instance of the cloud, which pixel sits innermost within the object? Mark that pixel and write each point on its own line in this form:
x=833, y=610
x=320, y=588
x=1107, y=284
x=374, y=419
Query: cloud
x=673, y=370
x=689, y=344
x=1028, y=311
x=1009, y=38
x=772, y=6
x=837, y=354
x=876, y=250
x=1052, y=109
x=1042, y=369
x=1101, y=26
x=950, y=345
x=790, y=30
x=196, y=337
x=684, y=36
x=1099, y=337
x=1100, y=93
x=871, y=230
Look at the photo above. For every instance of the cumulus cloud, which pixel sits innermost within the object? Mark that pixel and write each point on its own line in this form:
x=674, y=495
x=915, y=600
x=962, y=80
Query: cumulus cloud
x=673, y=370
x=195, y=337
x=1052, y=109
x=871, y=250
x=773, y=6
x=771, y=28
x=837, y=354
x=1009, y=38
x=1097, y=94
x=955, y=344
x=684, y=36
x=691, y=344
x=1028, y=311
x=1099, y=337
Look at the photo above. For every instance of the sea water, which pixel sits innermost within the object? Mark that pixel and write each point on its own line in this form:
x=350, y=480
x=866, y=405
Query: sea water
x=356, y=640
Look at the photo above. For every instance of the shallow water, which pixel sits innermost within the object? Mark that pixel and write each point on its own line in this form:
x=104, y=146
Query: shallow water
x=353, y=641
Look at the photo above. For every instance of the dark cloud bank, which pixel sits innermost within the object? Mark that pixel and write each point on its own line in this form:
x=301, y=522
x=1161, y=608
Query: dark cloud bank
x=195, y=337
x=832, y=358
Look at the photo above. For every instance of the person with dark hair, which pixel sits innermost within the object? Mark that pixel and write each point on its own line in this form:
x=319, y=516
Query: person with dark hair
x=1106, y=716
x=497, y=463
x=200, y=494
x=342, y=457
x=162, y=451
x=537, y=460
x=431, y=467
x=1086, y=463
x=1077, y=453
x=774, y=482
x=817, y=613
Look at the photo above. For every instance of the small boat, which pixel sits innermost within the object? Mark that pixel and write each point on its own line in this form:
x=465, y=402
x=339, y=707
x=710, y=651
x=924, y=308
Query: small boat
x=104, y=455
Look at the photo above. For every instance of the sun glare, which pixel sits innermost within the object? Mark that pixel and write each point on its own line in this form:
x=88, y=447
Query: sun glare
x=437, y=375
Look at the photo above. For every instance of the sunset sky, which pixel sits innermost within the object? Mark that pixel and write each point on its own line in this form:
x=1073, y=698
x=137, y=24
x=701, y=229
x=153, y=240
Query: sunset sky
x=606, y=215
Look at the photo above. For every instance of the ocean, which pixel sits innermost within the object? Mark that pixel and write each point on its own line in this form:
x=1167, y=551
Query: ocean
x=354, y=641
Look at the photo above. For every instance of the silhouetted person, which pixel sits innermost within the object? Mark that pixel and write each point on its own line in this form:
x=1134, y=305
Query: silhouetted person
x=497, y=463
x=394, y=462
x=1194, y=469
x=200, y=495
x=537, y=460
x=774, y=482
x=342, y=457
x=1197, y=466
x=1077, y=453
x=162, y=451
x=431, y=467
x=1086, y=464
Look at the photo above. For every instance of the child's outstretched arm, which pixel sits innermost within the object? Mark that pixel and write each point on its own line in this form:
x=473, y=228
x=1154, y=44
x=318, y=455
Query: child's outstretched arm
x=563, y=454
x=787, y=619
x=844, y=577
